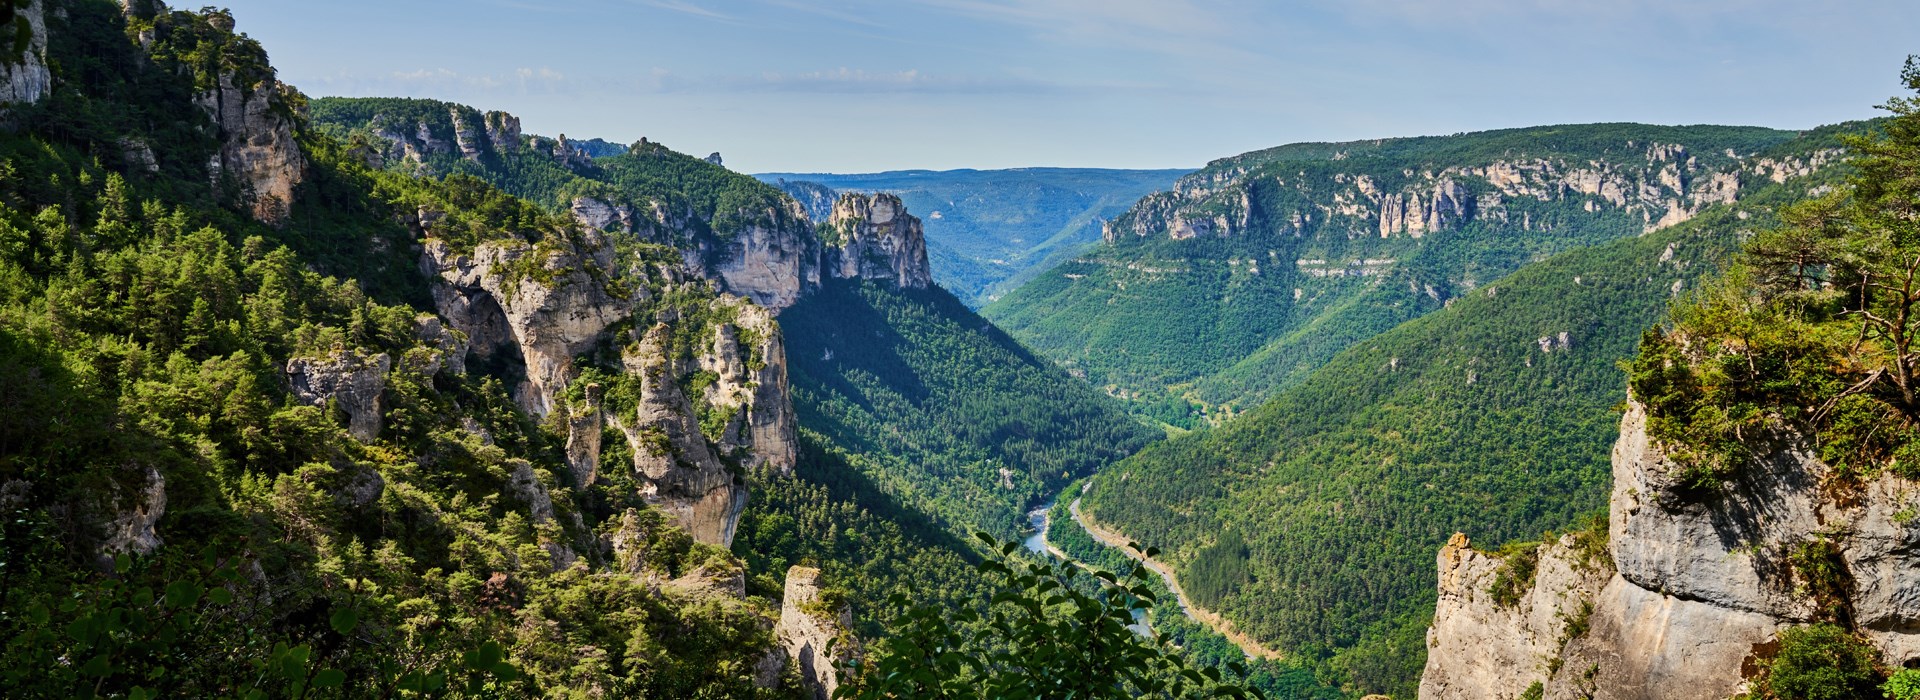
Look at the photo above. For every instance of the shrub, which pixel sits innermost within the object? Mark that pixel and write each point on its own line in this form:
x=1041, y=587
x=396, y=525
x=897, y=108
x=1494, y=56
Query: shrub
x=1820, y=662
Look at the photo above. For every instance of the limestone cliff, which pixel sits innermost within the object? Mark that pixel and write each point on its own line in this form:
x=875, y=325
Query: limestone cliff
x=255, y=123
x=1700, y=584
x=814, y=632
x=699, y=388
x=1660, y=185
x=873, y=237
x=24, y=77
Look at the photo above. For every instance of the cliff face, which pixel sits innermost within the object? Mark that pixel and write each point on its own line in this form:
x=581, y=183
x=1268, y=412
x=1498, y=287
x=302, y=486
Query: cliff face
x=255, y=124
x=24, y=77
x=540, y=307
x=873, y=237
x=814, y=633
x=1660, y=185
x=1699, y=584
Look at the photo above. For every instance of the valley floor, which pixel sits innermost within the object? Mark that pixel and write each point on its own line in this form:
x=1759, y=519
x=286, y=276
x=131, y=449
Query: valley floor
x=1211, y=619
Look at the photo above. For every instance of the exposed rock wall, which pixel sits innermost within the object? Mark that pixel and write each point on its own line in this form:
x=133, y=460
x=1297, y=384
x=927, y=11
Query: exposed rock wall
x=1478, y=648
x=1669, y=186
x=25, y=79
x=542, y=318
x=351, y=380
x=1702, y=581
x=873, y=237
x=772, y=264
x=815, y=637
x=257, y=147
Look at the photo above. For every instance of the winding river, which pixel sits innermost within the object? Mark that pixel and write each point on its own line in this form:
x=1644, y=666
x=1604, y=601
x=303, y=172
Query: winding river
x=1039, y=520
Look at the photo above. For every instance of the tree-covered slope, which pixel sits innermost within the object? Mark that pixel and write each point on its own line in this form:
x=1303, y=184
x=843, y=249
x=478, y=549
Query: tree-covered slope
x=988, y=231
x=1311, y=521
x=942, y=410
x=1257, y=269
x=242, y=454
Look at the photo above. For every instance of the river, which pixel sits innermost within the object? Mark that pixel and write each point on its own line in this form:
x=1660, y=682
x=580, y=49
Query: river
x=1037, y=543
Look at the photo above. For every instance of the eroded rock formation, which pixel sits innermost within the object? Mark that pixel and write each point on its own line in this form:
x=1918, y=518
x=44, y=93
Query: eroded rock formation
x=873, y=237
x=689, y=437
x=351, y=380
x=24, y=78
x=1698, y=583
x=814, y=632
x=257, y=149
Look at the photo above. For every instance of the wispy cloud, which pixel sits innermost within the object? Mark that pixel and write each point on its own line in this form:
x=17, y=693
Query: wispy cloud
x=849, y=81
x=688, y=8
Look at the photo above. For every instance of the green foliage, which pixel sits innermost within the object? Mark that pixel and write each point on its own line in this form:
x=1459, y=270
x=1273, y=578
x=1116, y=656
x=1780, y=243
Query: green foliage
x=1345, y=484
x=1814, y=330
x=1046, y=638
x=1903, y=685
x=1232, y=318
x=1820, y=573
x=146, y=328
x=1217, y=569
x=1200, y=644
x=936, y=403
x=708, y=201
x=1514, y=578
x=1820, y=662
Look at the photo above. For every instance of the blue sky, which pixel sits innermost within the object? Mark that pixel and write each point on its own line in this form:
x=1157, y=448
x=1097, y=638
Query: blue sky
x=863, y=85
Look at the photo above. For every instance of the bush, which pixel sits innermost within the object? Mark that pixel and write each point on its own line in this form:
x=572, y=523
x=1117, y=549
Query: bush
x=1904, y=685
x=1821, y=662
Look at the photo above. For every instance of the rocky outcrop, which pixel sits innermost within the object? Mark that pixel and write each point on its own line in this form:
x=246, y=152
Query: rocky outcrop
x=749, y=362
x=349, y=379
x=1703, y=580
x=553, y=309
x=815, y=633
x=24, y=76
x=873, y=237
x=1666, y=186
x=773, y=262
x=526, y=486
x=600, y=214
x=257, y=149
x=130, y=530
x=1481, y=648
x=682, y=473
x=692, y=421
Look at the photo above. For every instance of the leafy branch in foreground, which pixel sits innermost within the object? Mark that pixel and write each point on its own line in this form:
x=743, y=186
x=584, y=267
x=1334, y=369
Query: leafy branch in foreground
x=1051, y=630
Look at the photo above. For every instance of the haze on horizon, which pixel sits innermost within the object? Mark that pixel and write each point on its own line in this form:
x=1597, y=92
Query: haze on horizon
x=869, y=85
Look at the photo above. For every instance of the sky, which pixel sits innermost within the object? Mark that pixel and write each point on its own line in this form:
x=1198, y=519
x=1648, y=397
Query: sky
x=867, y=85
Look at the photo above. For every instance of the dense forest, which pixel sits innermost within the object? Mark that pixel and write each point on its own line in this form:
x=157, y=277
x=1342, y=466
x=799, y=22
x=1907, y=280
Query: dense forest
x=941, y=409
x=1314, y=518
x=177, y=522
x=1257, y=269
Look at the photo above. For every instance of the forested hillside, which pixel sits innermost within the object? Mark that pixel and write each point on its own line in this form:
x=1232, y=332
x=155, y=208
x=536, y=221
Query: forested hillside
x=942, y=410
x=1311, y=521
x=1254, y=271
x=241, y=447
x=989, y=231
